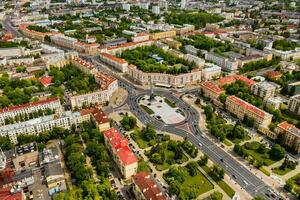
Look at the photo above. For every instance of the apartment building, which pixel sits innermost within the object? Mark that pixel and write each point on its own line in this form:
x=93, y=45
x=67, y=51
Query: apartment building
x=25, y=157
x=58, y=59
x=294, y=104
x=211, y=90
x=95, y=98
x=35, y=34
x=184, y=29
x=162, y=35
x=118, y=63
x=43, y=124
x=210, y=72
x=231, y=79
x=26, y=109
x=83, y=65
x=140, y=37
x=145, y=187
x=98, y=117
x=168, y=80
x=64, y=41
x=106, y=82
x=191, y=58
x=172, y=43
x=264, y=89
x=291, y=135
x=88, y=48
x=226, y=63
x=241, y=108
x=284, y=55
x=125, y=159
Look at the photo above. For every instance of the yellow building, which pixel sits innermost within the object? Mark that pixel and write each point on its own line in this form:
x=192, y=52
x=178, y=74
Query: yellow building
x=241, y=108
x=162, y=35
x=291, y=135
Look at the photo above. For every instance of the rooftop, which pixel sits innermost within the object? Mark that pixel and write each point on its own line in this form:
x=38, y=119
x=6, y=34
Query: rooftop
x=148, y=186
x=248, y=106
x=289, y=127
x=114, y=58
x=24, y=149
x=120, y=146
x=211, y=86
x=97, y=113
x=19, y=107
x=6, y=194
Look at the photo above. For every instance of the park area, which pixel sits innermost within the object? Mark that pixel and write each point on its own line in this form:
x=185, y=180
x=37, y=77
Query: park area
x=187, y=182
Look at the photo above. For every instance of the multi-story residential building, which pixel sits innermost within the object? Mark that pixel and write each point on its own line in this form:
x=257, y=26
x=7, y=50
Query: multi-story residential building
x=210, y=72
x=42, y=124
x=172, y=43
x=168, y=80
x=294, y=104
x=26, y=109
x=184, y=29
x=274, y=102
x=247, y=59
x=64, y=41
x=191, y=50
x=93, y=98
x=84, y=65
x=118, y=63
x=58, y=59
x=98, y=117
x=191, y=58
x=88, y=48
x=115, y=42
x=145, y=187
x=226, y=63
x=140, y=37
x=162, y=35
x=284, y=55
x=241, y=109
x=264, y=89
x=231, y=79
x=211, y=90
x=106, y=82
x=125, y=159
x=291, y=135
x=25, y=157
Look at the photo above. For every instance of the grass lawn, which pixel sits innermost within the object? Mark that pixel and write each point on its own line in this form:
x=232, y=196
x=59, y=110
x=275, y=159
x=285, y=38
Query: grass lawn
x=237, y=141
x=147, y=109
x=169, y=155
x=171, y=104
x=262, y=157
x=281, y=172
x=226, y=188
x=199, y=184
x=143, y=166
x=227, y=142
x=263, y=170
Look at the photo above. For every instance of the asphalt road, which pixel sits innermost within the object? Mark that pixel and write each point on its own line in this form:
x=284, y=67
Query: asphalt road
x=244, y=177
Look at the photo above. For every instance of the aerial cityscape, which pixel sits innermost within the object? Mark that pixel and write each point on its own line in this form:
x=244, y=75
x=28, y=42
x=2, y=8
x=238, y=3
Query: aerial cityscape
x=149, y=100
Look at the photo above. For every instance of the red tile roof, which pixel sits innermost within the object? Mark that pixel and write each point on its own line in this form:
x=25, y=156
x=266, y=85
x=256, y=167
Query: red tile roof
x=5, y=194
x=244, y=79
x=99, y=116
x=231, y=79
x=105, y=79
x=19, y=107
x=213, y=87
x=46, y=80
x=248, y=106
x=226, y=80
x=120, y=146
x=273, y=74
x=114, y=58
x=285, y=125
x=83, y=63
x=148, y=187
x=128, y=44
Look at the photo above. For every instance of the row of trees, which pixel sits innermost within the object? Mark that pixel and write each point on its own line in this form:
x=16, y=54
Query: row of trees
x=285, y=45
x=256, y=65
x=128, y=122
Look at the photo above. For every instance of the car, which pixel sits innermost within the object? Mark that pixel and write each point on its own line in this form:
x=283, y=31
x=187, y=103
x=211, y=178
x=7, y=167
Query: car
x=246, y=183
x=234, y=176
x=221, y=160
x=200, y=144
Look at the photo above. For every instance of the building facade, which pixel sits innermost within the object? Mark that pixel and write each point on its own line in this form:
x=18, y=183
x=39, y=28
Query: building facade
x=125, y=159
x=294, y=104
x=241, y=108
x=291, y=135
x=211, y=90
x=264, y=89
x=118, y=63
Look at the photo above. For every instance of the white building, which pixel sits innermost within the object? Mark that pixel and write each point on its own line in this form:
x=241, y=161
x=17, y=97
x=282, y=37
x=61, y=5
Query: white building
x=284, y=55
x=191, y=58
x=274, y=102
x=225, y=63
x=107, y=82
x=264, y=89
x=210, y=72
x=156, y=9
x=42, y=124
x=294, y=104
x=64, y=41
x=28, y=108
x=118, y=63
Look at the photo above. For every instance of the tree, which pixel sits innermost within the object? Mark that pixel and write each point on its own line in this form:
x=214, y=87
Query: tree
x=217, y=172
x=203, y=160
x=5, y=143
x=192, y=168
x=148, y=133
x=258, y=198
x=277, y=152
